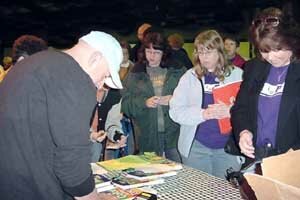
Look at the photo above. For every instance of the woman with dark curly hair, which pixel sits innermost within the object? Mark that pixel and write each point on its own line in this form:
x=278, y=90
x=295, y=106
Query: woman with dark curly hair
x=147, y=91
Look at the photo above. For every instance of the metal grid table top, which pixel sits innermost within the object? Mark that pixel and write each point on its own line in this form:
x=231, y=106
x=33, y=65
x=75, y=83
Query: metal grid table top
x=193, y=184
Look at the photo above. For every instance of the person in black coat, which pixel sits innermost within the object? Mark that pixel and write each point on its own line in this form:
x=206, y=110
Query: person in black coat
x=266, y=114
x=178, y=53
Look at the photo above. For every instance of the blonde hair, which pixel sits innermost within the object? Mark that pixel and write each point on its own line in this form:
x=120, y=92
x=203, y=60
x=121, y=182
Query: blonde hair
x=210, y=40
x=7, y=60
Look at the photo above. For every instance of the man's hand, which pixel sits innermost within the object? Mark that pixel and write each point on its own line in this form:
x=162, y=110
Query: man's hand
x=164, y=100
x=97, y=196
x=106, y=196
x=123, y=140
x=98, y=136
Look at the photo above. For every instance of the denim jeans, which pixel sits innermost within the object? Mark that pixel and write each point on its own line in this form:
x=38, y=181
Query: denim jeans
x=211, y=161
x=170, y=153
x=96, y=151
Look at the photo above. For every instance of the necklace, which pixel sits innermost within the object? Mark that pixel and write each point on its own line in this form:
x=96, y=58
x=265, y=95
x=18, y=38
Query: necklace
x=281, y=74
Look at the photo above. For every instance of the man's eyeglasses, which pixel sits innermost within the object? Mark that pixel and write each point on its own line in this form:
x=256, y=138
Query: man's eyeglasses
x=273, y=21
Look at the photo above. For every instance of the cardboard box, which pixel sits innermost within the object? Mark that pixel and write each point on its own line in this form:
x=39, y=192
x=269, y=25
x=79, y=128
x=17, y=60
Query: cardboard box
x=281, y=177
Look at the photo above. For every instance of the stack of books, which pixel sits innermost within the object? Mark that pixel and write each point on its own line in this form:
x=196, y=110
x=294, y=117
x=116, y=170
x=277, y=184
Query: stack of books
x=135, y=171
x=102, y=183
x=133, y=161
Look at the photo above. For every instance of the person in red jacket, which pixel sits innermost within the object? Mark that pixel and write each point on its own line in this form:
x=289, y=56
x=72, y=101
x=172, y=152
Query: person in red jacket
x=232, y=45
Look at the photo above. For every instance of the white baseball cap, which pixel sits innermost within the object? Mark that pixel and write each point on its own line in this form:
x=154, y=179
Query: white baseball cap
x=111, y=50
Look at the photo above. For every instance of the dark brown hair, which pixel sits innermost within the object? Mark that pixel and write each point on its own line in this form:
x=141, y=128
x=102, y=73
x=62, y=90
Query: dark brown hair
x=176, y=40
x=234, y=38
x=271, y=30
x=27, y=45
x=125, y=45
x=158, y=42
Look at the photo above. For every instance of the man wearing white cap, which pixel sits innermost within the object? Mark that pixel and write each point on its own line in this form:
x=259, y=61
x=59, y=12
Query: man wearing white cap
x=45, y=108
x=107, y=50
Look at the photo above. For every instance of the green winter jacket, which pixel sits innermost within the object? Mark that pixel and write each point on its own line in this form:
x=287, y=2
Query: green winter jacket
x=137, y=89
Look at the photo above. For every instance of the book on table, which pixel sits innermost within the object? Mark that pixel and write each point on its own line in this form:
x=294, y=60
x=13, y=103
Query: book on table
x=123, y=162
x=97, y=169
x=152, y=158
x=140, y=175
x=105, y=188
x=152, y=171
x=124, y=182
x=226, y=93
x=133, y=161
x=134, y=193
x=121, y=194
x=102, y=183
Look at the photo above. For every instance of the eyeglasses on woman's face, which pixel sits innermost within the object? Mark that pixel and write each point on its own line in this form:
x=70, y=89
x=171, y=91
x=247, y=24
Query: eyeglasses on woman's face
x=207, y=52
x=153, y=52
x=273, y=21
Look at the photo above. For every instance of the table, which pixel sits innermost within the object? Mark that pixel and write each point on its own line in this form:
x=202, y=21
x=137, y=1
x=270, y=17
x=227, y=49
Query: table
x=191, y=184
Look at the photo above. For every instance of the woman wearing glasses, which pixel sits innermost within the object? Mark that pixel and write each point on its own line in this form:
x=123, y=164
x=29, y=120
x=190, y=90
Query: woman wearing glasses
x=266, y=114
x=147, y=90
x=201, y=143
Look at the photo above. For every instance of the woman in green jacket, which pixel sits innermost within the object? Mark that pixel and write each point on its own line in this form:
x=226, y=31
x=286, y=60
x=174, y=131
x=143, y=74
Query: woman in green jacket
x=147, y=91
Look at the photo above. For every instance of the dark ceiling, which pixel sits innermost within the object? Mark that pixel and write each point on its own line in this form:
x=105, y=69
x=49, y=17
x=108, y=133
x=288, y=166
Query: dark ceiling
x=62, y=22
